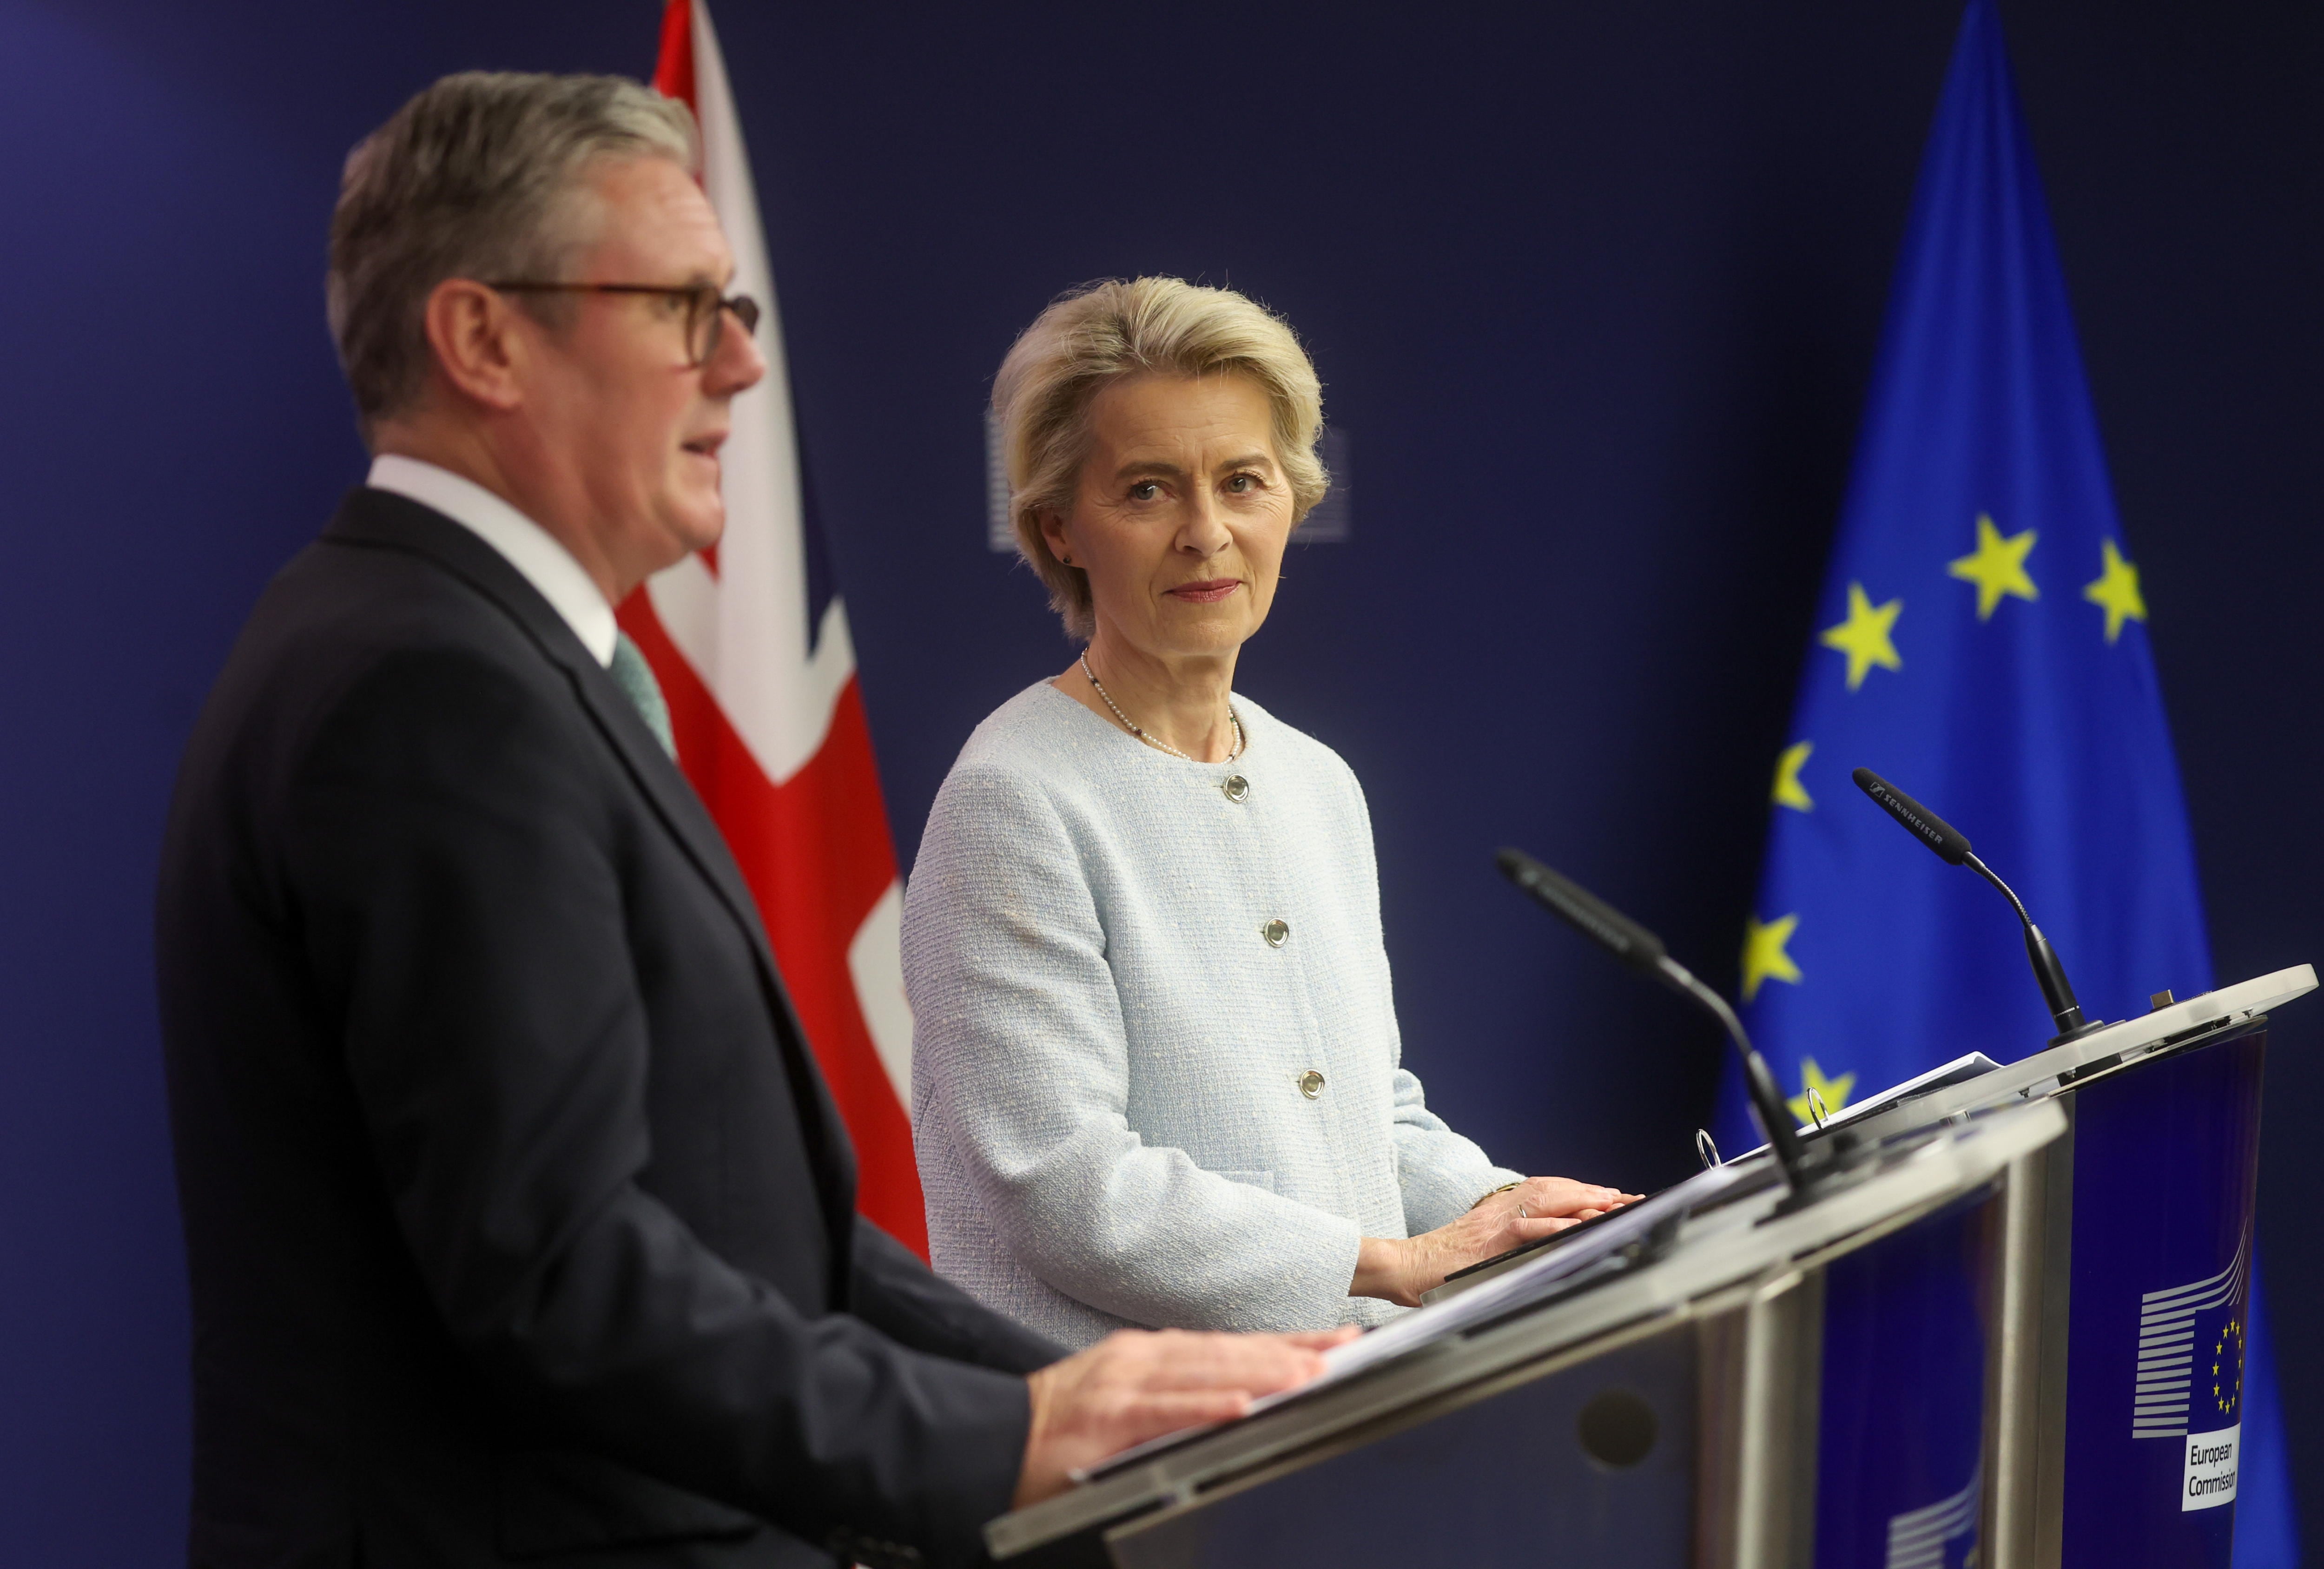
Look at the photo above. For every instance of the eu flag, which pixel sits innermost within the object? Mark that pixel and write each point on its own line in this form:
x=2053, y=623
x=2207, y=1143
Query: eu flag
x=1981, y=640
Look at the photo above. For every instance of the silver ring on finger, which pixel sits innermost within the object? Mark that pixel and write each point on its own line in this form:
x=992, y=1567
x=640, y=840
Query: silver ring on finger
x=1521, y=1209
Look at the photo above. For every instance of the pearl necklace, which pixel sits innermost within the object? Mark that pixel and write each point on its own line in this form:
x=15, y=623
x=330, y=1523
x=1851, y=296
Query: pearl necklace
x=1132, y=725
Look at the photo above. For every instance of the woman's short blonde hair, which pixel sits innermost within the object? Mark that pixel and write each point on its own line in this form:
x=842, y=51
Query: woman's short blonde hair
x=1099, y=333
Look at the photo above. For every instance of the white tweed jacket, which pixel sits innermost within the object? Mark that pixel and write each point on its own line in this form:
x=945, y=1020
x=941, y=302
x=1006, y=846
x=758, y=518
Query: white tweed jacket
x=1110, y=1037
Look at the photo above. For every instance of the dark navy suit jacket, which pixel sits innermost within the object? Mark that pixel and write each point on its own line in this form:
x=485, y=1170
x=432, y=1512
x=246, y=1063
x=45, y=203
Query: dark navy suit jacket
x=520, y=1225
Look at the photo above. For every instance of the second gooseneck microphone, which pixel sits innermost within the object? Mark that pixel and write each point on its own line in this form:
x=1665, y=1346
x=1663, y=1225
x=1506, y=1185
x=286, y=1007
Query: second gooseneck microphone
x=1640, y=950
x=1951, y=847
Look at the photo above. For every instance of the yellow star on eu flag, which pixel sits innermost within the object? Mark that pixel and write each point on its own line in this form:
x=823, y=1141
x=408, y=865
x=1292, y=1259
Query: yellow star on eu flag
x=1764, y=957
x=1863, y=637
x=1789, y=791
x=2117, y=591
x=1998, y=567
x=1832, y=1091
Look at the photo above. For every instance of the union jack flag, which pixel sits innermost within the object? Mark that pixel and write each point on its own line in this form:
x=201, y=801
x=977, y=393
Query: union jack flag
x=750, y=645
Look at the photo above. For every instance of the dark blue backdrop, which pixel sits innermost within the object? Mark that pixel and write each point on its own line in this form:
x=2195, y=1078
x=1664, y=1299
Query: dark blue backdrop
x=1594, y=290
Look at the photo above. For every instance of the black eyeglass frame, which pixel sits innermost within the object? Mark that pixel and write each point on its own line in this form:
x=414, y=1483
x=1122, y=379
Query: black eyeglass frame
x=702, y=301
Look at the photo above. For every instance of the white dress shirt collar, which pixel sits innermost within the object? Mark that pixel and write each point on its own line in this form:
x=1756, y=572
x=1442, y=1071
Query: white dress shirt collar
x=531, y=548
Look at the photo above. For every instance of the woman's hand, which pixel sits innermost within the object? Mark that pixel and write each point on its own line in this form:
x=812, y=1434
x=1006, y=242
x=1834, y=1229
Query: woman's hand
x=1400, y=1269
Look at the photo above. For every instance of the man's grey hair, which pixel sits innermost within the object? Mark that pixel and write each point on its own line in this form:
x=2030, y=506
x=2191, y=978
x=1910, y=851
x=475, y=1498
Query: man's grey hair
x=482, y=176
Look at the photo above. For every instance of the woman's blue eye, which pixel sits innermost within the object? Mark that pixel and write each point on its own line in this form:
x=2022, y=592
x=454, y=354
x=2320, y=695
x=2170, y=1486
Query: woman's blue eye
x=1145, y=490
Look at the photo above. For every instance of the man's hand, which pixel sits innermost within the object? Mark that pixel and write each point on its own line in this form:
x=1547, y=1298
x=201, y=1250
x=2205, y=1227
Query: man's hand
x=1400, y=1269
x=1139, y=1384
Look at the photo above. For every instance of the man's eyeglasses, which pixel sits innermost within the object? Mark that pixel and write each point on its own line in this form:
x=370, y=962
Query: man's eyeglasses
x=706, y=310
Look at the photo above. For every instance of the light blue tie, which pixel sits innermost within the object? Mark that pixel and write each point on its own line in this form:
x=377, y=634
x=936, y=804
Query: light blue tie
x=637, y=679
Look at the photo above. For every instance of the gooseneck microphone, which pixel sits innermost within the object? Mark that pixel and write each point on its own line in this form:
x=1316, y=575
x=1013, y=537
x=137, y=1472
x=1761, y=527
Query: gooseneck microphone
x=1640, y=950
x=1952, y=848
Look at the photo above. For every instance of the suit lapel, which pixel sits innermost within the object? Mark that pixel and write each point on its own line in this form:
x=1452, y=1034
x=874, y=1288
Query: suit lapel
x=675, y=802
x=378, y=518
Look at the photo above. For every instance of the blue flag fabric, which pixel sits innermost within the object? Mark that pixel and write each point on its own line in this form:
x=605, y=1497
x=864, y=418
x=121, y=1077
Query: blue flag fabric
x=1981, y=642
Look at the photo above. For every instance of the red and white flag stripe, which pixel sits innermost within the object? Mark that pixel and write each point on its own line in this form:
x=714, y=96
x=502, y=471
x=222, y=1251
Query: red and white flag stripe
x=766, y=710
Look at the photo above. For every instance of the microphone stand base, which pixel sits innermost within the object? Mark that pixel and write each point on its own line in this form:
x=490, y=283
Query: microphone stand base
x=1829, y=1161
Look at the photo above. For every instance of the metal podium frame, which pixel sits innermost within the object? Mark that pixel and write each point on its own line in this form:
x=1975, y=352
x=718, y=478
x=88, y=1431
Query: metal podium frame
x=2023, y=1504
x=1742, y=1277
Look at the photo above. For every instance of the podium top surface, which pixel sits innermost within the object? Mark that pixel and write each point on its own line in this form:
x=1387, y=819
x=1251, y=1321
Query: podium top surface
x=1975, y=1082
x=1722, y=1229
x=2122, y=1042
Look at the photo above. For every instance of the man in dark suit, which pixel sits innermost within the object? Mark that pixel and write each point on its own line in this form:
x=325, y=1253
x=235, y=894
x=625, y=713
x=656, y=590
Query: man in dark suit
x=520, y=1225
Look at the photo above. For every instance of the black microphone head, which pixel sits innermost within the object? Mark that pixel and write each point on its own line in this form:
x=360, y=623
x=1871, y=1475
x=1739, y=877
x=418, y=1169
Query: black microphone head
x=1598, y=921
x=1930, y=829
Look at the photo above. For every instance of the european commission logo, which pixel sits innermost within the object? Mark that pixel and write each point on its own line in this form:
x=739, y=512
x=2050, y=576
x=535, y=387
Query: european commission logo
x=2190, y=1376
x=1944, y=1536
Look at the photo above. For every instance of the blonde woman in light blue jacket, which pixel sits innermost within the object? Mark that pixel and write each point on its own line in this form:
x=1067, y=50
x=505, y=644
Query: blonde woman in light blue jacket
x=1156, y=1074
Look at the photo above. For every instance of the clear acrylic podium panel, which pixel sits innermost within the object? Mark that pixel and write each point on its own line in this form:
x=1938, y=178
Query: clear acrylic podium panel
x=1593, y=1466
x=1627, y=1460
x=1905, y=1375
